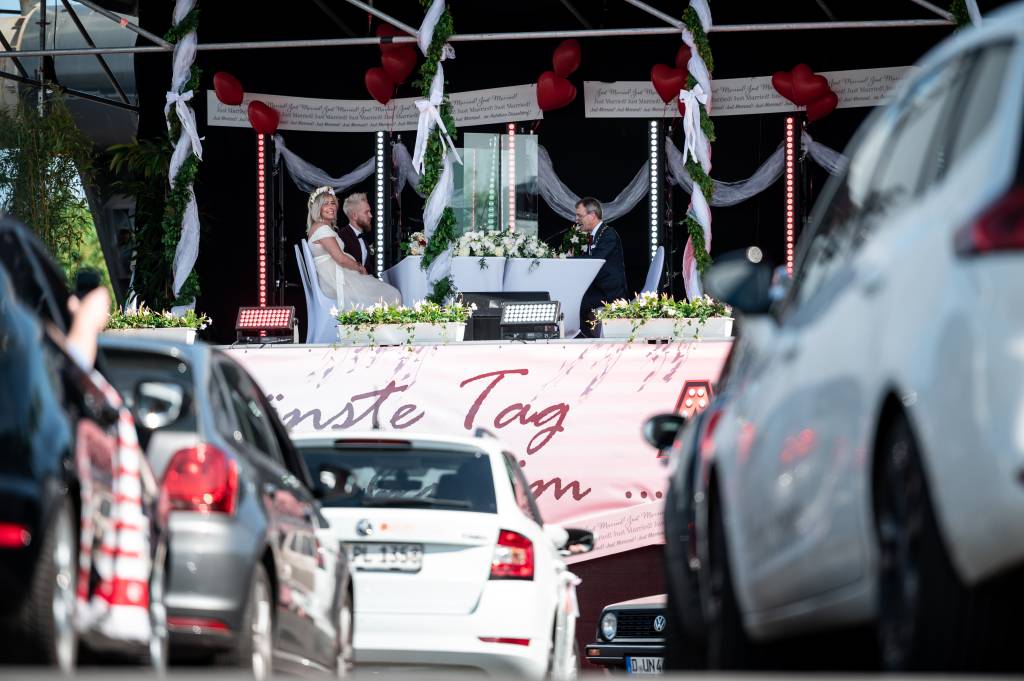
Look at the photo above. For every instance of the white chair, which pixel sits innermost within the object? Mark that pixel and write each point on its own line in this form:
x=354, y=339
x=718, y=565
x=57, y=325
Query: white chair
x=321, y=327
x=654, y=271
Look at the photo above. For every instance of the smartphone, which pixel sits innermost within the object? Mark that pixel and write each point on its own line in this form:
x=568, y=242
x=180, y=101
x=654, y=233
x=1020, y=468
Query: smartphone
x=85, y=281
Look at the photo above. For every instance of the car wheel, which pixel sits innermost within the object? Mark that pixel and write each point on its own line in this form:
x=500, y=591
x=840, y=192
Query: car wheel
x=254, y=650
x=682, y=651
x=346, y=634
x=44, y=630
x=927, y=616
x=159, y=641
x=729, y=647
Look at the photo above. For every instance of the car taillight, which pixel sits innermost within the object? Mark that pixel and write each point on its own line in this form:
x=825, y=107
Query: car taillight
x=707, y=443
x=201, y=478
x=14, y=536
x=1000, y=228
x=513, y=557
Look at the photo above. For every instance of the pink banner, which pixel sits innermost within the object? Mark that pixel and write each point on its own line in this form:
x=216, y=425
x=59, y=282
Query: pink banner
x=571, y=412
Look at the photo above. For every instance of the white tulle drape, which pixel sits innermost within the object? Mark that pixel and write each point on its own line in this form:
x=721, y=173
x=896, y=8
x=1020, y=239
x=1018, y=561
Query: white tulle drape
x=187, y=250
x=308, y=177
x=563, y=200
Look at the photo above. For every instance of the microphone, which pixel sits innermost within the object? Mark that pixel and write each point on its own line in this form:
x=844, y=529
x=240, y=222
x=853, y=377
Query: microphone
x=561, y=232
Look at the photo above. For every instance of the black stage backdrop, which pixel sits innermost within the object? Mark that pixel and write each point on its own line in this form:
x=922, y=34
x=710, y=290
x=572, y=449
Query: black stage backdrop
x=592, y=156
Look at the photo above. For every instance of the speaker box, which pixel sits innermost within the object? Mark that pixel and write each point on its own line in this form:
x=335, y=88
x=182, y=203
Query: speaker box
x=485, y=324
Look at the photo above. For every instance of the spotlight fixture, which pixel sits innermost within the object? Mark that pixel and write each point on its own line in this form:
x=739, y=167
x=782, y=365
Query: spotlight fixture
x=530, y=320
x=266, y=325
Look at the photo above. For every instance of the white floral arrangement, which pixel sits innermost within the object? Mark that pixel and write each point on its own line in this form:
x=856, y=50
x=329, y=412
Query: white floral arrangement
x=417, y=244
x=501, y=244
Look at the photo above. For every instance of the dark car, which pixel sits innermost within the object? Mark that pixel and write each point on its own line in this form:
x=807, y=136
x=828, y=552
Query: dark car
x=631, y=636
x=253, y=579
x=60, y=439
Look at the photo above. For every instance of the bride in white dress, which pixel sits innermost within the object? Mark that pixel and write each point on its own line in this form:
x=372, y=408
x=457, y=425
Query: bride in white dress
x=339, y=274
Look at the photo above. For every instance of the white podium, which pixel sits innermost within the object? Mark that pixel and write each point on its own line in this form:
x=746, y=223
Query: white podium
x=565, y=279
x=467, y=274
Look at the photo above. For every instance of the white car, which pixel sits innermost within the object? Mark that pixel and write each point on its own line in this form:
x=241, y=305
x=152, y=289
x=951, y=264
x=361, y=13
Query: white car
x=452, y=564
x=867, y=464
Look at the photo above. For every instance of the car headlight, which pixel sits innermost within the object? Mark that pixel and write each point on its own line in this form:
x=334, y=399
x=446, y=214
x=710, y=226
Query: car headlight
x=609, y=625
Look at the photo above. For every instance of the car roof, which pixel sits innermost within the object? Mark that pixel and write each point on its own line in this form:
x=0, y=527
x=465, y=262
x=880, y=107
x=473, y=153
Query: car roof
x=319, y=439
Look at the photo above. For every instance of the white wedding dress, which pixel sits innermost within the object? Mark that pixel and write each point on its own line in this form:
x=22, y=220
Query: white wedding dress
x=351, y=289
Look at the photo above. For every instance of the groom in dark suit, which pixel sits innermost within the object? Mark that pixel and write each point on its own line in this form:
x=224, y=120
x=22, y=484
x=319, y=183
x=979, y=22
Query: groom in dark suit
x=357, y=233
x=604, y=242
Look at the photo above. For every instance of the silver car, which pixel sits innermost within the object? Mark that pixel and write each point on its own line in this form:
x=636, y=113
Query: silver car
x=254, y=580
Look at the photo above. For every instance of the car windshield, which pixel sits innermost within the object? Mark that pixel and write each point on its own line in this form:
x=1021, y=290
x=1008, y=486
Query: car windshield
x=402, y=477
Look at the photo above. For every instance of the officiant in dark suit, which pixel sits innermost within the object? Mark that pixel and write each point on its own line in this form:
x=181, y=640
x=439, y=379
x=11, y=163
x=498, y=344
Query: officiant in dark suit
x=357, y=234
x=604, y=242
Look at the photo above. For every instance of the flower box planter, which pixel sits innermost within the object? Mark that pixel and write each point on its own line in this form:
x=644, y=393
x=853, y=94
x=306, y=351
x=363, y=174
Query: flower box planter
x=402, y=334
x=181, y=334
x=667, y=328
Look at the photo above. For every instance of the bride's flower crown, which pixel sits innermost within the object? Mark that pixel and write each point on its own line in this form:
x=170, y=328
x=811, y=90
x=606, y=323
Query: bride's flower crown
x=318, y=191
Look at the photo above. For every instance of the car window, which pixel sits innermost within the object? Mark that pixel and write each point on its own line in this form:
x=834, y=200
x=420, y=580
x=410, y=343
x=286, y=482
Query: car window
x=250, y=414
x=917, y=152
x=521, y=489
x=981, y=96
x=402, y=476
x=127, y=369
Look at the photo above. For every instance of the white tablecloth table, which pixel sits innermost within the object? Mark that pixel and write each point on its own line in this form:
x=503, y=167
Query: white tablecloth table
x=565, y=279
x=408, y=278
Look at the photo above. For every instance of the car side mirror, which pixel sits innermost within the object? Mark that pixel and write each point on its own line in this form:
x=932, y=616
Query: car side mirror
x=744, y=285
x=660, y=431
x=580, y=541
x=157, y=404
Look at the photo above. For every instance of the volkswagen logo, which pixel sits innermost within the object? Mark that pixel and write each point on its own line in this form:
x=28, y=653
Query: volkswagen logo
x=364, y=528
x=659, y=623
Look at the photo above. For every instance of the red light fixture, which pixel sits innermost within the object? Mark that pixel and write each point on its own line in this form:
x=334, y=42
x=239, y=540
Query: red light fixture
x=261, y=211
x=266, y=324
x=513, y=557
x=790, y=190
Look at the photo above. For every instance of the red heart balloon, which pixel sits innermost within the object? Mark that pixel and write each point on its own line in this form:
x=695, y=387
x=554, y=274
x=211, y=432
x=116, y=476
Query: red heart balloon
x=682, y=107
x=399, y=62
x=807, y=86
x=554, y=91
x=228, y=88
x=822, y=107
x=379, y=84
x=263, y=118
x=782, y=81
x=667, y=81
x=683, y=57
x=389, y=31
x=566, y=58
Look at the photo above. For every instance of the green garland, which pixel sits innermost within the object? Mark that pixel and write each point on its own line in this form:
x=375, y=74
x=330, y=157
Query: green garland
x=433, y=160
x=958, y=8
x=700, y=178
x=174, y=209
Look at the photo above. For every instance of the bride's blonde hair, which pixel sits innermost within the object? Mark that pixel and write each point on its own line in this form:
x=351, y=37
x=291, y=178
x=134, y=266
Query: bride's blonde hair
x=316, y=201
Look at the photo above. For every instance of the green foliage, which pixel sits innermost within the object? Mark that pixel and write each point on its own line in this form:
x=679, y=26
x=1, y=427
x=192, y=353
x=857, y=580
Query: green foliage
x=142, y=168
x=958, y=8
x=433, y=162
x=426, y=312
x=701, y=178
x=44, y=162
x=652, y=306
x=145, y=318
x=90, y=254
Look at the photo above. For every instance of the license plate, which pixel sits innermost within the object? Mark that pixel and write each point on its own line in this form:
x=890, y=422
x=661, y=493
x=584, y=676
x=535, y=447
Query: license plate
x=388, y=557
x=645, y=665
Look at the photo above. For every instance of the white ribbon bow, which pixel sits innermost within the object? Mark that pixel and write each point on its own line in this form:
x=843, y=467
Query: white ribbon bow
x=429, y=117
x=696, y=143
x=179, y=100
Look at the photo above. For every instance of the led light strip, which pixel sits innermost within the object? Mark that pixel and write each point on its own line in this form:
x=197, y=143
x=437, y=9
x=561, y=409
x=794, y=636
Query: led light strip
x=511, y=177
x=790, y=190
x=261, y=180
x=653, y=197
x=380, y=206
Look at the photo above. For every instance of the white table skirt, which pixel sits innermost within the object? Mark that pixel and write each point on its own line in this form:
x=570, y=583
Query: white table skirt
x=411, y=280
x=565, y=279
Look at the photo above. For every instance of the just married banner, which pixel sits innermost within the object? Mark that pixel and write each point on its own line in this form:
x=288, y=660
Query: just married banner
x=570, y=412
